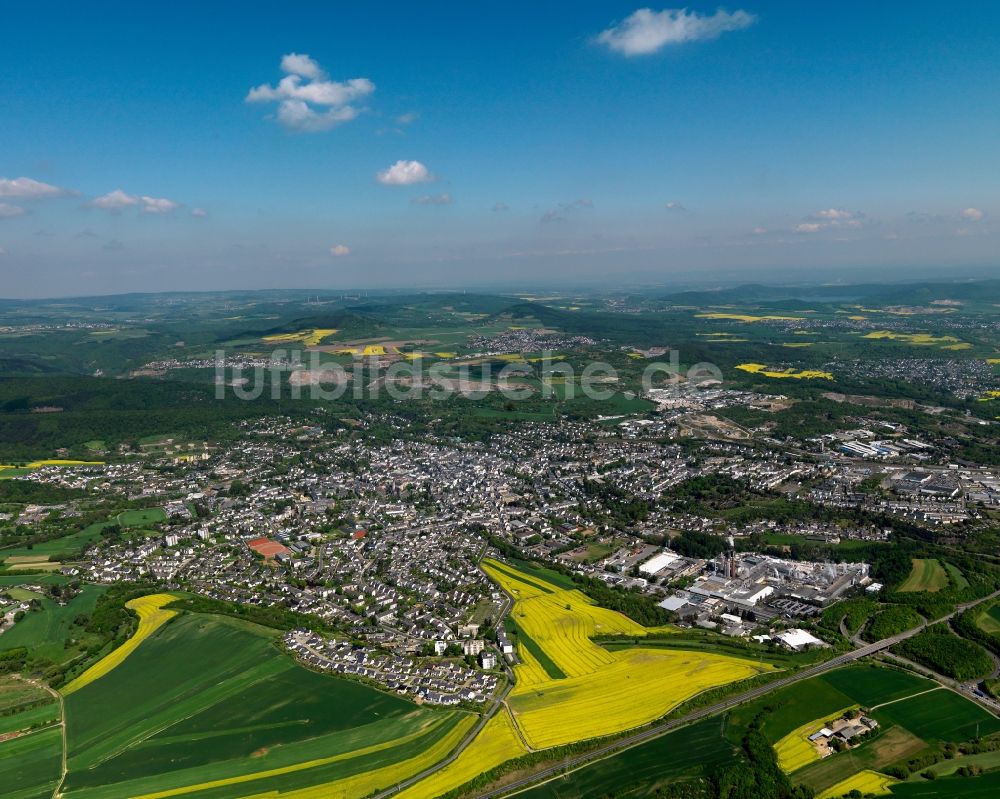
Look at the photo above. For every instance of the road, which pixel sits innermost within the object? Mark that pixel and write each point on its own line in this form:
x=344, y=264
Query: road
x=862, y=651
x=570, y=764
x=498, y=705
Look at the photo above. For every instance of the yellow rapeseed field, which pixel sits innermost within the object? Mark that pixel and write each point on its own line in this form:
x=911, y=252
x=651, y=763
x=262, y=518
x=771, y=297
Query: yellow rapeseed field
x=795, y=750
x=919, y=339
x=152, y=615
x=603, y=692
x=637, y=687
x=308, y=337
x=497, y=743
x=365, y=783
x=50, y=462
x=766, y=371
x=748, y=318
x=867, y=781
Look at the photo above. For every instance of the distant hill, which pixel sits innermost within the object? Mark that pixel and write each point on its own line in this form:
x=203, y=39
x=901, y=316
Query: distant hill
x=886, y=294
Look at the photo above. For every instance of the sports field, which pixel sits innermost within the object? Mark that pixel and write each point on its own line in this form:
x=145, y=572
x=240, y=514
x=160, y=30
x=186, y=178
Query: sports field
x=927, y=574
x=141, y=518
x=209, y=707
x=601, y=692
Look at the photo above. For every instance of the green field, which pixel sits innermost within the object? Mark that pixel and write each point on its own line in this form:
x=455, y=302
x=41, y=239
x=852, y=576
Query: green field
x=212, y=698
x=797, y=704
x=29, y=766
x=140, y=518
x=910, y=720
x=641, y=771
x=957, y=577
x=941, y=716
x=986, y=786
x=927, y=575
x=72, y=544
x=989, y=620
x=44, y=632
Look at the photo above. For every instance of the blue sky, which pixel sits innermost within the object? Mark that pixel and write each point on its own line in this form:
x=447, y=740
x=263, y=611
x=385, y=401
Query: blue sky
x=607, y=143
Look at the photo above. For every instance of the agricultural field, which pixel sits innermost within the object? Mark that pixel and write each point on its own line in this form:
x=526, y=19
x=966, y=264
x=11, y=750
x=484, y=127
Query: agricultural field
x=209, y=707
x=989, y=620
x=690, y=753
x=70, y=545
x=497, y=743
x=867, y=782
x=795, y=751
x=913, y=714
x=927, y=575
x=30, y=740
x=45, y=632
x=986, y=786
x=151, y=616
x=30, y=764
x=560, y=622
x=790, y=372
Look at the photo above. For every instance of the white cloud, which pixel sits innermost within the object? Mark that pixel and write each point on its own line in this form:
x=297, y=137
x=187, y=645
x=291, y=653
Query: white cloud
x=199, y=212
x=158, y=205
x=834, y=214
x=407, y=118
x=647, y=31
x=307, y=100
x=675, y=206
x=404, y=173
x=972, y=214
x=117, y=201
x=501, y=206
x=830, y=218
x=295, y=64
x=114, y=201
x=340, y=250
x=29, y=189
x=433, y=199
x=759, y=231
x=7, y=211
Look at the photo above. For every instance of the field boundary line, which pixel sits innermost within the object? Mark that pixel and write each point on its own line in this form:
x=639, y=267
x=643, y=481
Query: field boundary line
x=873, y=708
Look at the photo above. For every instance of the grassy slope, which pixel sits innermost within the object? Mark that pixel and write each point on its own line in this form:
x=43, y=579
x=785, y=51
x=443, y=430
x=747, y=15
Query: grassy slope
x=44, y=632
x=209, y=698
